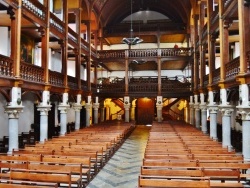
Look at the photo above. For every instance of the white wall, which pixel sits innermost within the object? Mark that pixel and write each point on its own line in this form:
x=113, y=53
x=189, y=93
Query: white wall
x=4, y=44
x=56, y=64
x=26, y=118
x=4, y=126
x=71, y=115
x=236, y=50
x=71, y=69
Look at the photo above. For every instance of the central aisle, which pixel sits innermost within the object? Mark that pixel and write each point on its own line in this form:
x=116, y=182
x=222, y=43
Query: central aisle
x=123, y=169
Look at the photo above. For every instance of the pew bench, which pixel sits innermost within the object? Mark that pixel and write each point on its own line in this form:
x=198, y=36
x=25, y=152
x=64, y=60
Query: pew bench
x=75, y=169
x=44, y=176
x=25, y=184
x=171, y=181
x=84, y=161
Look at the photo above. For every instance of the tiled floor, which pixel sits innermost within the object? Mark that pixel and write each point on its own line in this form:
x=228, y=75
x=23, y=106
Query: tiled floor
x=123, y=169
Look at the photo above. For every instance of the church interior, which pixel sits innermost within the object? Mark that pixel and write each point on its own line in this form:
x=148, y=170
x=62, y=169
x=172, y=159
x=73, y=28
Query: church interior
x=126, y=94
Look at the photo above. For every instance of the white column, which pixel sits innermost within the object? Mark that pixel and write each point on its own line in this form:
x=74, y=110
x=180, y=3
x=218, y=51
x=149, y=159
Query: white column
x=77, y=107
x=226, y=126
x=213, y=110
x=244, y=110
x=191, y=107
x=96, y=107
x=13, y=114
x=44, y=107
x=204, y=120
x=197, y=112
x=13, y=109
x=226, y=111
x=88, y=107
x=213, y=122
x=63, y=107
x=43, y=122
x=159, y=106
x=203, y=108
x=126, y=107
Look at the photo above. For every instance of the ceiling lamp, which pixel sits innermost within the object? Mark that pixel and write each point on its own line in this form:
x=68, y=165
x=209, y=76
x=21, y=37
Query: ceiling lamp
x=131, y=40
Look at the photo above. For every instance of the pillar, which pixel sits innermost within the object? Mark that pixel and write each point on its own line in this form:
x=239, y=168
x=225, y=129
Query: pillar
x=132, y=115
x=226, y=111
x=13, y=115
x=186, y=115
x=213, y=122
x=13, y=109
x=88, y=107
x=197, y=112
x=213, y=110
x=44, y=107
x=77, y=107
x=226, y=127
x=191, y=107
x=126, y=107
x=159, y=106
x=203, y=108
x=96, y=107
x=63, y=107
x=244, y=110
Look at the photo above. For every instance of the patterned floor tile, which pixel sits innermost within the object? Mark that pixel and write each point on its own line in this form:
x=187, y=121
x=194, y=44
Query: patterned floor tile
x=123, y=169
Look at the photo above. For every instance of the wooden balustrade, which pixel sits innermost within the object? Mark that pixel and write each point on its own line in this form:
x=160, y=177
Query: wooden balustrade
x=232, y=68
x=35, y=7
x=31, y=72
x=72, y=82
x=56, y=78
x=72, y=37
x=57, y=24
x=6, y=66
x=216, y=76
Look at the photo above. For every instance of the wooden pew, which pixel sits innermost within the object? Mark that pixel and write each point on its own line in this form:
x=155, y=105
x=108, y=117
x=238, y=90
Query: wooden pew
x=25, y=184
x=43, y=176
x=74, y=168
x=84, y=161
x=171, y=181
x=172, y=171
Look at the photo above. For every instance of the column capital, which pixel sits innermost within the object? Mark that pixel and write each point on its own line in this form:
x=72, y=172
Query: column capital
x=203, y=107
x=44, y=109
x=245, y=113
x=160, y=106
x=213, y=109
x=13, y=112
x=77, y=107
x=127, y=106
x=96, y=105
x=88, y=106
x=63, y=108
x=196, y=106
x=226, y=110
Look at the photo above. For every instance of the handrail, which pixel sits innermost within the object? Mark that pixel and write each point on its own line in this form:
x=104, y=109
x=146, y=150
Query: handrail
x=35, y=7
x=143, y=53
x=6, y=66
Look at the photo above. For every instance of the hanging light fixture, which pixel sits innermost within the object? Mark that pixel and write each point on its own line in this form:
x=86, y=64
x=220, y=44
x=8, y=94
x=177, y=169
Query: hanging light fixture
x=131, y=40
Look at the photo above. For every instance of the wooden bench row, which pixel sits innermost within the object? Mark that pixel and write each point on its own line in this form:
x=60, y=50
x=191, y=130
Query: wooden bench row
x=181, y=156
x=71, y=159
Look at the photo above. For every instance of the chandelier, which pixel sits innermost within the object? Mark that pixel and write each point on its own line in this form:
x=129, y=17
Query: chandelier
x=131, y=40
